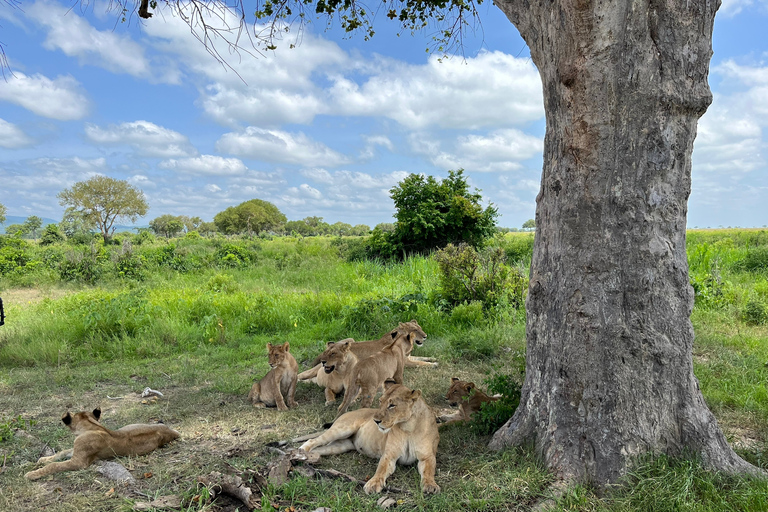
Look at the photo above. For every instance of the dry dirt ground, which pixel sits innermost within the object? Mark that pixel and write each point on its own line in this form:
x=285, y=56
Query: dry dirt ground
x=221, y=432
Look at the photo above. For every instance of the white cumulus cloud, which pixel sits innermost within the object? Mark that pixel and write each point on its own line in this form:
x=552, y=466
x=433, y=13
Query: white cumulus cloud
x=59, y=98
x=279, y=146
x=148, y=139
x=206, y=165
x=11, y=136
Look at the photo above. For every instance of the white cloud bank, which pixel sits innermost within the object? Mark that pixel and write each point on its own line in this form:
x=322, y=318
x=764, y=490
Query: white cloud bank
x=59, y=98
x=280, y=147
x=12, y=137
x=147, y=139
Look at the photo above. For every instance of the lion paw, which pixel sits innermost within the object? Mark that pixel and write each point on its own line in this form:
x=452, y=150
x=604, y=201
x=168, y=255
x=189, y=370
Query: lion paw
x=373, y=486
x=32, y=475
x=293, y=404
x=430, y=488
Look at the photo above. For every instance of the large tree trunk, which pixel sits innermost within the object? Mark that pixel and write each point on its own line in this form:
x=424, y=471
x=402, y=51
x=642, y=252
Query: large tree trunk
x=609, y=370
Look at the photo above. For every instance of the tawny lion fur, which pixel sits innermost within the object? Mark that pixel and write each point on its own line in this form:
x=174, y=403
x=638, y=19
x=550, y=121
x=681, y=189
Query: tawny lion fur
x=279, y=383
x=93, y=442
x=368, y=376
x=402, y=430
x=469, y=399
x=363, y=349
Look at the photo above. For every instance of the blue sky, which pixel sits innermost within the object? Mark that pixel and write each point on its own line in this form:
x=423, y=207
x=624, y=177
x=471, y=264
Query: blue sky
x=326, y=128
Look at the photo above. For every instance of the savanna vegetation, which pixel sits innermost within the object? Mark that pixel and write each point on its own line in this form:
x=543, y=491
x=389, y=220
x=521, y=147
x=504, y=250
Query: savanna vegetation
x=93, y=325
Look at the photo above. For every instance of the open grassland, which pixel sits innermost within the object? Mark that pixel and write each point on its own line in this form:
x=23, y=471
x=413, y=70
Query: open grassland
x=93, y=326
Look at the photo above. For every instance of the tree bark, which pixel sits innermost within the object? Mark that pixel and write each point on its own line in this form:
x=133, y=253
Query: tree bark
x=609, y=369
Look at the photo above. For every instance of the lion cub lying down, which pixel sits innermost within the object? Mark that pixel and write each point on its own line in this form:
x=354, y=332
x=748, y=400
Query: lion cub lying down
x=279, y=382
x=469, y=399
x=93, y=442
x=402, y=430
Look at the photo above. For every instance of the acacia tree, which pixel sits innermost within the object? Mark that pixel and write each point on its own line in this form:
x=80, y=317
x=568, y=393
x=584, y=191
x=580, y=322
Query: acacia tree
x=249, y=217
x=103, y=200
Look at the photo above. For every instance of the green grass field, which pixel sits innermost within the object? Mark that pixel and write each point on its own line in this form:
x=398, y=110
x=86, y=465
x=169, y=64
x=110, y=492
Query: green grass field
x=93, y=326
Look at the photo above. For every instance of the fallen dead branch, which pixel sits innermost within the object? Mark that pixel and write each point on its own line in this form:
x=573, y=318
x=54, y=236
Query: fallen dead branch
x=231, y=485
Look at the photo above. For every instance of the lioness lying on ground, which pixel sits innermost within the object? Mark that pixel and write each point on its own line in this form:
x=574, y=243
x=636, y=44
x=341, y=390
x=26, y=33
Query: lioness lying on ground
x=363, y=349
x=279, y=383
x=469, y=399
x=93, y=442
x=402, y=430
x=368, y=376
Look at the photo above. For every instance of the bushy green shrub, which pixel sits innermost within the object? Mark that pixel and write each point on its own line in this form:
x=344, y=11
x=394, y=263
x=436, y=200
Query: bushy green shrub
x=468, y=314
x=14, y=254
x=372, y=317
x=467, y=275
x=755, y=312
x=517, y=248
x=83, y=265
x=352, y=248
x=222, y=283
x=144, y=237
x=493, y=415
x=51, y=235
x=711, y=291
x=756, y=259
x=233, y=255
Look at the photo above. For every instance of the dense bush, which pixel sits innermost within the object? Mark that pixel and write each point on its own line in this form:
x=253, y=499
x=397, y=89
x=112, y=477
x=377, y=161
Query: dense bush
x=51, y=235
x=467, y=275
x=756, y=259
x=755, y=312
x=493, y=415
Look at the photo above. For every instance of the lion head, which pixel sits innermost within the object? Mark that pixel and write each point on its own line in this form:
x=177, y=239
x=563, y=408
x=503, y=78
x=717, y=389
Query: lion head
x=459, y=391
x=396, y=406
x=412, y=327
x=82, y=421
x=335, y=354
x=277, y=354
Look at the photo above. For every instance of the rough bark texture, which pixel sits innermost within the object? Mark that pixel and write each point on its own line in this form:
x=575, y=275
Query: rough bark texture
x=609, y=371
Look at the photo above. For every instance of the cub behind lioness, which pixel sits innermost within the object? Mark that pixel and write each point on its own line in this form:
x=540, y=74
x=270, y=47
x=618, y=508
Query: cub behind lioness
x=279, y=383
x=368, y=376
x=469, y=399
x=93, y=442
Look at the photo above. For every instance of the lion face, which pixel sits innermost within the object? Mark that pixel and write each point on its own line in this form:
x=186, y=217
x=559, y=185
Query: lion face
x=417, y=333
x=396, y=406
x=277, y=354
x=459, y=391
x=335, y=354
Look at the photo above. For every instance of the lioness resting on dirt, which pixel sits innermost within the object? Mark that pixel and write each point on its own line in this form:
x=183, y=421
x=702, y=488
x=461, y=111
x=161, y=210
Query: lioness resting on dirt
x=368, y=376
x=336, y=361
x=469, y=399
x=279, y=383
x=93, y=442
x=402, y=430
x=363, y=349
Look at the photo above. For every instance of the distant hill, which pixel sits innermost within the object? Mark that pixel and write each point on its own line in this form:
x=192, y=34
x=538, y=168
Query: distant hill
x=15, y=219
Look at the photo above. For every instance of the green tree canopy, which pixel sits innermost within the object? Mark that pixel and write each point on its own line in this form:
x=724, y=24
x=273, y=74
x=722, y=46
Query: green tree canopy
x=431, y=214
x=32, y=224
x=103, y=200
x=167, y=225
x=3, y=213
x=249, y=217
x=529, y=224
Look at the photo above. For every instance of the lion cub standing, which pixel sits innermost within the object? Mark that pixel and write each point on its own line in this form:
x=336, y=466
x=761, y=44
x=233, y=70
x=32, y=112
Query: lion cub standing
x=279, y=383
x=367, y=377
x=469, y=399
x=95, y=442
x=402, y=430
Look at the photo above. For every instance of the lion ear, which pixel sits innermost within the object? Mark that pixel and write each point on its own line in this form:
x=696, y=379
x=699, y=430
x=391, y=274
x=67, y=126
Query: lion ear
x=454, y=379
x=286, y=346
x=393, y=334
x=330, y=344
x=97, y=413
x=416, y=394
x=470, y=386
x=269, y=346
x=67, y=418
x=388, y=384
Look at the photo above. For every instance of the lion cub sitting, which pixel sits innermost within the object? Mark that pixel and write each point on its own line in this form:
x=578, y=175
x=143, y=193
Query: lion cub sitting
x=367, y=377
x=336, y=361
x=469, y=399
x=95, y=442
x=279, y=383
x=402, y=430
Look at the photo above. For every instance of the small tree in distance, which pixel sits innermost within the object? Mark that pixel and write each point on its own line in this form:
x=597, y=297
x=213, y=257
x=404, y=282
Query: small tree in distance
x=167, y=225
x=529, y=224
x=103, y=200
x=249, y=217
x=3, y=212
x=432, y=214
